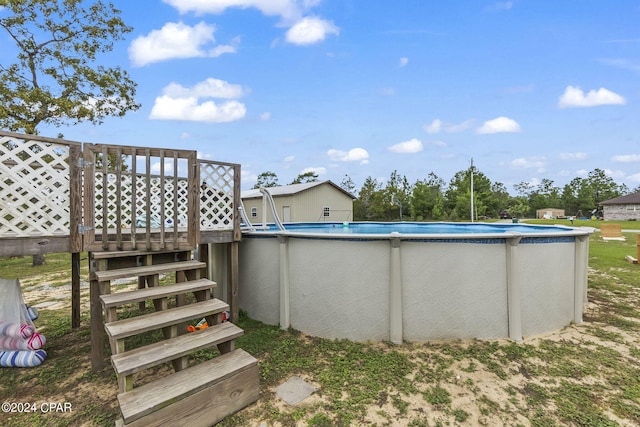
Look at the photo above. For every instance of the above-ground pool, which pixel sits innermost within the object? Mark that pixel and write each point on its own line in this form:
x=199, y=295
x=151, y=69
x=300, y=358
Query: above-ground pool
x=415, y=281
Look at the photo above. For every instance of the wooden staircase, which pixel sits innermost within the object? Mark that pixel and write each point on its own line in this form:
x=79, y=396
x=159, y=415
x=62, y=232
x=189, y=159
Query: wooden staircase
x=191, y=393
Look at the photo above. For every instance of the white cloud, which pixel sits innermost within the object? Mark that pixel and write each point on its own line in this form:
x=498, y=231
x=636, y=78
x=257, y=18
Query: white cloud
x=503, y=5
x=287, y=9
x=499, y=125
x=573, y=96
x=303, y=30
x=182, y=103
x=538, y=162
x=353, y=155
x=317, y=170
x=616, y=175
x=205, y=156
x=434, y=127
x=626, y=158
x=407, y=147
x=310, y=30
x=248, y=177
x=176, y=40
x=167, y=108
x=404, y=61
x=221, y=49
x=634, y=178
x=573, y=156
x=209, y=88
x=621, y=63
x=289, y=158
x=437, y=126
x=168, y=167
x=266, y=116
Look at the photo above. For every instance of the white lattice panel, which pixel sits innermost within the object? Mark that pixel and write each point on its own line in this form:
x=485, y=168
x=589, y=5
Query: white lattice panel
x=34, y=188
x=216, y=196
x=125, y=201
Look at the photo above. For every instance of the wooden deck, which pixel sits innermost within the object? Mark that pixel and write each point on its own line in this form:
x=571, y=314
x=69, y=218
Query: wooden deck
x=140, y=213
x=66, y=196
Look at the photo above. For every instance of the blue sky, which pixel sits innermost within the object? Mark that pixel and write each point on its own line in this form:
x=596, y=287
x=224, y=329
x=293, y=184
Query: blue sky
x=529, y=89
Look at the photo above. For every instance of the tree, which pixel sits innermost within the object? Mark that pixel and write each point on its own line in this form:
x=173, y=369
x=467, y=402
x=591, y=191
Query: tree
x=309, y=176
x=367, y=197
x=266, y=179
x=602, y=186
x=55, y=79
x=396, y=197
x=347, y=184
x=426, y=198
x=458, y=195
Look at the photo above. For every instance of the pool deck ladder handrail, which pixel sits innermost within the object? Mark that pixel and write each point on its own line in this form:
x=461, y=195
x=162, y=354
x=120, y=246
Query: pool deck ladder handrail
x=245, y=218
x=268, y=199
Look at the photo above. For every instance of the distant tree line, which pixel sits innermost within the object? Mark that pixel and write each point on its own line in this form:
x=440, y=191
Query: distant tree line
x=432, y=198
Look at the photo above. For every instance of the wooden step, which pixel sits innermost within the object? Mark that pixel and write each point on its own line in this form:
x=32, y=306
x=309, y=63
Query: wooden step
x=128, y=297
x=148, y=322
x=133, y=361
x=199, y=396
x=147, y=270
x=121, y=254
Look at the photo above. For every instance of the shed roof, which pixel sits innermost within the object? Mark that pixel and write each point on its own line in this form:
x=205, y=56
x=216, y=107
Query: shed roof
x=287, y=190
x=629, y=199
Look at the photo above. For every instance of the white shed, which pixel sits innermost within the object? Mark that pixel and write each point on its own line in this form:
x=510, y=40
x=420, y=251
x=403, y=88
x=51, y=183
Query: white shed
x=308, y=202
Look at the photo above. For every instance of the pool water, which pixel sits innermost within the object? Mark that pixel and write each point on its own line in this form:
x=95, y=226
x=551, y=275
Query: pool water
x=418, y=228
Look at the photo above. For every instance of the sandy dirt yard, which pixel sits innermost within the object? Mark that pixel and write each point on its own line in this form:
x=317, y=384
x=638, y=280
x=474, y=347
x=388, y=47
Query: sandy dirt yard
x=581, y=375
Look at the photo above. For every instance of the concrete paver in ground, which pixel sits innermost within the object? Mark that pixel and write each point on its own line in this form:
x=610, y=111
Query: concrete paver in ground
x=294, y=390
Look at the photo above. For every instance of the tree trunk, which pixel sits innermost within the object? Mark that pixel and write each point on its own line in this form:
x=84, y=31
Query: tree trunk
x=37, y=260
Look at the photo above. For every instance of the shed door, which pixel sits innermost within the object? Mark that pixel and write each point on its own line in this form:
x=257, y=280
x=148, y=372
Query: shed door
x=286, y=214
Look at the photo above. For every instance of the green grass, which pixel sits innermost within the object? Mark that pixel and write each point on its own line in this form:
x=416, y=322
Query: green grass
x=585, y=375
x=625, y=225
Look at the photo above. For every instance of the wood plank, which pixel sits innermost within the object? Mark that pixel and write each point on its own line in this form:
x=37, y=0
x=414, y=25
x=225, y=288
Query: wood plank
x=237, y=202
x=203, y=394
x=89, y=191
x=97, y=334
x=145, y=294
x=235, y=278
x=75, y=198
x=193, y=200
x=152, y=321
x=147, y=270
x=75, y=290
x=20, y=246
x=136, y=360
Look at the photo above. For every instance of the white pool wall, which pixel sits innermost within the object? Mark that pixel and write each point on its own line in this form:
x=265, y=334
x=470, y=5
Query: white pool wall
x=415, y=287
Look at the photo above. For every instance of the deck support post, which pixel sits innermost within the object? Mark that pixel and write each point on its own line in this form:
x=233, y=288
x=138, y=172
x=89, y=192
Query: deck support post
x=285, y=285
x=580, y=277
x=395, y=293
x=514, y=291
x=75, y=290
x=235, y=274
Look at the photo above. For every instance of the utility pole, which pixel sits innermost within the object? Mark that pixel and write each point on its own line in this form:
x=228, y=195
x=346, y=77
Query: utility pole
x=472, y=190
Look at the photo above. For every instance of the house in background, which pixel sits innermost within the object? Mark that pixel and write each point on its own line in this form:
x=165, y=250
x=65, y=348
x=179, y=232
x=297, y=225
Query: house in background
x=622, y=208
x=307, y=202
x=549, y=213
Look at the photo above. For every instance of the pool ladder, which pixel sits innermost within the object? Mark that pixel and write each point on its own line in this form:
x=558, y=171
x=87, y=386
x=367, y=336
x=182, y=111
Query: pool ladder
x=268, y=199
